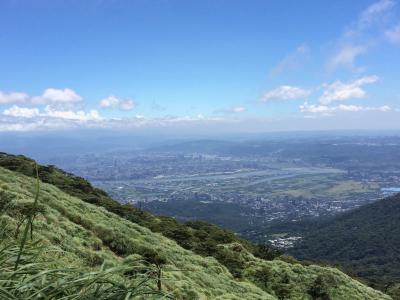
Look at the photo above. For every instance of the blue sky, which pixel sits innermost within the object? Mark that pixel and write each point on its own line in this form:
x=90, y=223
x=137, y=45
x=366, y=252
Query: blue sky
x=239, y=65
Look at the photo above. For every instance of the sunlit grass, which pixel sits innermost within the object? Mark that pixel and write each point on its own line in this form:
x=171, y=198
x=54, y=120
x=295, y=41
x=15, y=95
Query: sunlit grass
x=24, y=275
x=85, y=250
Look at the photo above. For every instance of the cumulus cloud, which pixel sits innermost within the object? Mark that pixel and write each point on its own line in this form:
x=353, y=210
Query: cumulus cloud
x=339, y=91
x=57, y=96
x=285, y=92
x=393, y=35
x=71, y=115
x=324, y=109
x=117, y=103
x=51, y=112
x=8, y=123
x=49, y=96
x=29, y=119
x=23, y=112
x=13, y=97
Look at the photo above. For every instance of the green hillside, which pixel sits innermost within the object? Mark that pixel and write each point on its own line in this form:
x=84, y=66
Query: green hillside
x=365, y=240
x=88, y=238
x=201, y=237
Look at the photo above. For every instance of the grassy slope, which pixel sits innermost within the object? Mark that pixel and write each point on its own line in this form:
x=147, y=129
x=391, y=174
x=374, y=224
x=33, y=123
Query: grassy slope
x=89, y=234
x=200, y=237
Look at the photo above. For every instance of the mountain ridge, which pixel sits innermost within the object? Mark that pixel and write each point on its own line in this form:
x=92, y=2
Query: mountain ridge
x=365, y=239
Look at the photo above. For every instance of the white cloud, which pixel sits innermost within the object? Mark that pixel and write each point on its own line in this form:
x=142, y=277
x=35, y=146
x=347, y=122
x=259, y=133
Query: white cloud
x=57, y=96
x=339, y=91
x=108, y=102
x=324, y=109
x=26, y=119
x=373, y=13
x=174, y=124
x=306, y=108
x=50, y=112
x=13, y=97
x=23, y=112
x=383, y=108
x=393, y=35
x=114, y=102
x=238, y=109
x=291, y=61
x=285, y=92
x=346, y=56
x=361, y=35
x=49, y=96
x=72, y=115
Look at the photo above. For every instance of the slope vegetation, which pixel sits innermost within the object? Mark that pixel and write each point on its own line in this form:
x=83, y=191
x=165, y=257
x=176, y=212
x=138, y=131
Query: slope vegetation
x=90, y=237
x=200, y=237
x=365, y=240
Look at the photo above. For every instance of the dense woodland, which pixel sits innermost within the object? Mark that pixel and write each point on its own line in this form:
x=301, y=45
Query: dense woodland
x=365, y=241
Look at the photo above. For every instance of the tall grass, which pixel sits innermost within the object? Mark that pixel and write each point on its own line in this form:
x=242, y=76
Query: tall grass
x=41, y=280
x=24, y=274
x=30, y=218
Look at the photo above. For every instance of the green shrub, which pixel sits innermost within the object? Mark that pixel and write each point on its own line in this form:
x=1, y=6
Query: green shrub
x=263, y=276
x=5, y=201
x=232, y=259
x=321, y=287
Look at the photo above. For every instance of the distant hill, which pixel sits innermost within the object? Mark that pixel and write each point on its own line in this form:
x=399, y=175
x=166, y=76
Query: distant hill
x=365, y=240
x=88, y=237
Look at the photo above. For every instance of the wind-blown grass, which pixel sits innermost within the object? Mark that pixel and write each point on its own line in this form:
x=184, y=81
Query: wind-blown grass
x=83, y=242
x=24, y=276
x=35, y=279
x=30, y=219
